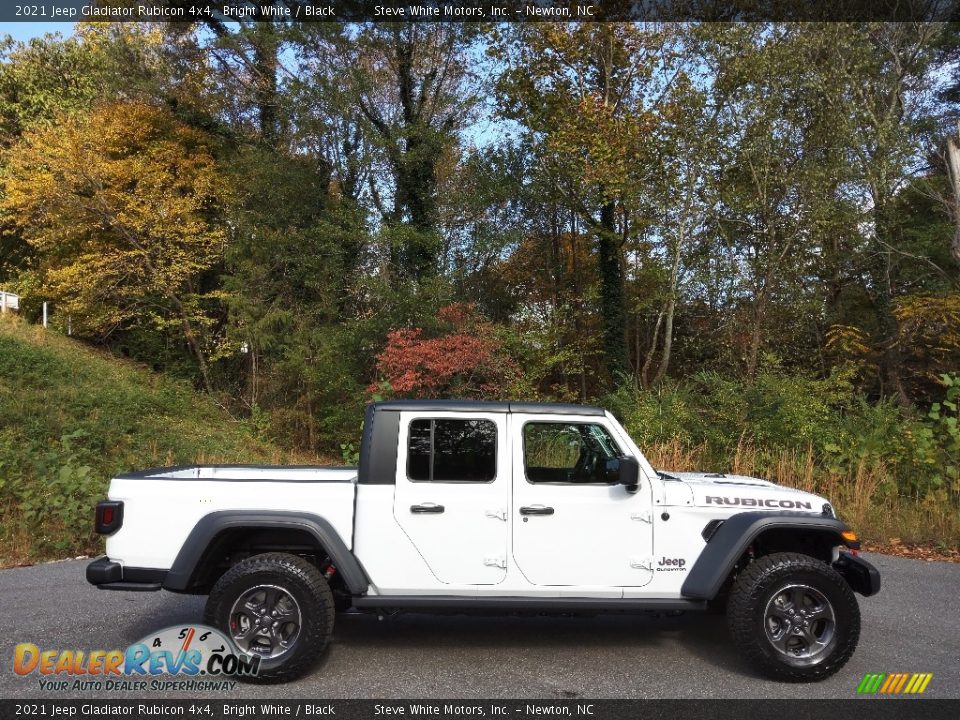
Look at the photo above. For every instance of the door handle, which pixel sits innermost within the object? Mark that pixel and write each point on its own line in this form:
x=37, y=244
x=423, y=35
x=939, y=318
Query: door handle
x=426, y=508
x=536, y=510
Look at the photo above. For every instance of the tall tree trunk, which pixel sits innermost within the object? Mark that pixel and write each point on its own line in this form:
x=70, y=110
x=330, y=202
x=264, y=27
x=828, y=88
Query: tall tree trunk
x=667, y=341
x=254, y=375
x=193, y=343
x=953, y=168
x=611, y=294
x=413, y=151
x=648, y=360
x=671, y=308
x=756, y=334
x=891, y=359
x=266, y=64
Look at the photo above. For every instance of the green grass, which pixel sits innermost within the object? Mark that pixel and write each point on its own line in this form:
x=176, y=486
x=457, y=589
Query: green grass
x=72, y=417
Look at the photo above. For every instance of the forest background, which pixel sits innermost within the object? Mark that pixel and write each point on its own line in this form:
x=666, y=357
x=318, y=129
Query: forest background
x=740, y=238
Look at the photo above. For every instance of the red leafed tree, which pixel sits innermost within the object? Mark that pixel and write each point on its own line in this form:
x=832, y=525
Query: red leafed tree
x=465, y=360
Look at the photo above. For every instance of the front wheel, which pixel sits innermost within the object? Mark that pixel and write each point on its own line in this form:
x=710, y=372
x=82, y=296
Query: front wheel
x=277, y=607
x=793, y=617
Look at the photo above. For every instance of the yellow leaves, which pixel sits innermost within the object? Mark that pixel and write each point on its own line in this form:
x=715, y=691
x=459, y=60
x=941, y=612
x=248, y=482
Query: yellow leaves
x=601, y=146
x=121, y=204
x=928, y=336
x=581, y=90
x=930, y=321
x=847, y=342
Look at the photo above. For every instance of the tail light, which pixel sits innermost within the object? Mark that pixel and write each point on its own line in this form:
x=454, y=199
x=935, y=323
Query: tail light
x=109, y=517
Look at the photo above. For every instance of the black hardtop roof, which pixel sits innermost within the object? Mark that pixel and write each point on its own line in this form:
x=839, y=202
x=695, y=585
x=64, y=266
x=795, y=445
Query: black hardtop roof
x=488, y=406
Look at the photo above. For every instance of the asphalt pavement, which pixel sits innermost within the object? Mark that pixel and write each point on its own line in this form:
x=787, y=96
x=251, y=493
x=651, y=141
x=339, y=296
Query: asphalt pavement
x=913, y=625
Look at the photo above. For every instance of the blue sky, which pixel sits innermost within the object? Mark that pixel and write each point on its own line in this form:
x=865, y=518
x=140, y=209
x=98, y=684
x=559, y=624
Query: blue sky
x=480, y=133
x=27, y=30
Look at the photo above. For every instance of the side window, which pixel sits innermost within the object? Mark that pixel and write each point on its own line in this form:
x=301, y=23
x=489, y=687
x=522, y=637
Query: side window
x=446, y=450
x=567, y=452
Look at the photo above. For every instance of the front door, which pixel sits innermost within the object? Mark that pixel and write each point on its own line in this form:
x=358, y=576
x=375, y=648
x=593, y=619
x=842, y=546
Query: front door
x=452, y=494
x=572, y=525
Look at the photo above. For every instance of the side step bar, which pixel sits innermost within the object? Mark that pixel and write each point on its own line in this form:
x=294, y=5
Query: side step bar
x=536, y=604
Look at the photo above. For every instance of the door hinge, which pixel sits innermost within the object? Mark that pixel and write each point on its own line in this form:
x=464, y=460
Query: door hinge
x=641, y=563
x=500, y=562
x=498, y=514
x=644, y=516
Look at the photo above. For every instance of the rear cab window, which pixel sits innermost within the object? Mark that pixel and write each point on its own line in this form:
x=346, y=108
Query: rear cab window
x=452, y=450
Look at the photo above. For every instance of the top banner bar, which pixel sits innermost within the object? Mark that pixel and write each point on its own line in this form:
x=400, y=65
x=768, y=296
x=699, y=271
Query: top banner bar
x=291, y=11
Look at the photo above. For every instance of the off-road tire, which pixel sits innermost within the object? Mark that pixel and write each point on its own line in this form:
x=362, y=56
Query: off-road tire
x=756, y=587
x=308, y=587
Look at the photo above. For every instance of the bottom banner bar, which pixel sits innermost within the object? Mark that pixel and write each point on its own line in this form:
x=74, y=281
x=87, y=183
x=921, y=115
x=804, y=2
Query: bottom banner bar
x=868, y=709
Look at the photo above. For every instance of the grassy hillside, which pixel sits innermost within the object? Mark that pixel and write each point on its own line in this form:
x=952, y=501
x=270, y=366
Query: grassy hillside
x=71, y=417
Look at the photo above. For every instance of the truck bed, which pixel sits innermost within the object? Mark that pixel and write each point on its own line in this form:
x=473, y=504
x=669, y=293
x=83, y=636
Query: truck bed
x=162, y=505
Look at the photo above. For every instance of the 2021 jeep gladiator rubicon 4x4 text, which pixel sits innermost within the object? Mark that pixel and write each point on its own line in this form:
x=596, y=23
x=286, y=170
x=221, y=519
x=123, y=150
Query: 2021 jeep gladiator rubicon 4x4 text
x=466, y=506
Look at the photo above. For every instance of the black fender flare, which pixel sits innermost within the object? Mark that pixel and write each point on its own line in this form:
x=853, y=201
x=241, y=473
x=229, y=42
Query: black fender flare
x=728, y=543
x=191, y=555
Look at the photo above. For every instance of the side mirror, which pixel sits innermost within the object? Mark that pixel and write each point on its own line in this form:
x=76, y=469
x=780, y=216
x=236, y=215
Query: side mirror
x=624, y=471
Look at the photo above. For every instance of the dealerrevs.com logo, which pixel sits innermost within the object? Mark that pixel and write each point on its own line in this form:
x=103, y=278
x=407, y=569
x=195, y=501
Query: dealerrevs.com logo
x=188, y=658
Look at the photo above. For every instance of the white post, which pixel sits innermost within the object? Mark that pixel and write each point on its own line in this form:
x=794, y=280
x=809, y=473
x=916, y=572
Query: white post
x=44, y=313
x=69, y=325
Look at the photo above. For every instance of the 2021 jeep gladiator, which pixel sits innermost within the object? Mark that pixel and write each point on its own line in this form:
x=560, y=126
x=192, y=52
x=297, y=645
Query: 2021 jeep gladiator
x=466, y=506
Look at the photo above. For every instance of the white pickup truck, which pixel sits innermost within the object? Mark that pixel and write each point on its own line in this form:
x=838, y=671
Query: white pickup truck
x=480, y=506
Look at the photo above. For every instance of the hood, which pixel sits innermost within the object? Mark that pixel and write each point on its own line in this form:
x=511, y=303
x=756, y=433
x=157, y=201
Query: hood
x=741, y=492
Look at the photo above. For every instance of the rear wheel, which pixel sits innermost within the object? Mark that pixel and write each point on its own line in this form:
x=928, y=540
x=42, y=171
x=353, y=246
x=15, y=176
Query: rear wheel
x=277, y=607
x=793, y=617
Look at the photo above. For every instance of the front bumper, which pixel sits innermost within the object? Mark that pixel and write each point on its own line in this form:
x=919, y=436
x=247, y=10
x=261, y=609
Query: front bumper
x=109, y=575
x=863, y=577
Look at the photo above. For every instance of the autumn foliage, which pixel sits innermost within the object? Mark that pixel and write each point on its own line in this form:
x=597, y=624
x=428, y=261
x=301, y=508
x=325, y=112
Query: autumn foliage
x=466, y=360
x=119, y=206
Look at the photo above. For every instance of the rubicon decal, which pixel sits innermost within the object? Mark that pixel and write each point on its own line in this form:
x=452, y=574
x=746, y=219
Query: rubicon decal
x=180, y=651
x=759, y=502
x=894, y=683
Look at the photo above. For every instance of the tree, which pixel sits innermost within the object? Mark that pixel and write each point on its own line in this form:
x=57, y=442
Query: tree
x=236, y=62
x=586, y=96
x=777, y=177
x=953, y=165
x=409, y=83
x=49, y=78
x=681, y=195
x=39, y=81
x=464, y=361
x=121, y=206
x=289, y=276
x=883, y=115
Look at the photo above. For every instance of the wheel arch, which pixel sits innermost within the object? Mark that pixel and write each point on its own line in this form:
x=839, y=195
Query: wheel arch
x=215, y=534
x=770, y=532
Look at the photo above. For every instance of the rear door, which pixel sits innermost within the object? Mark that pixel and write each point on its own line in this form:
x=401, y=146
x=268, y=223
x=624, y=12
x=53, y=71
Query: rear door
x=572, y=524
x=452, y=493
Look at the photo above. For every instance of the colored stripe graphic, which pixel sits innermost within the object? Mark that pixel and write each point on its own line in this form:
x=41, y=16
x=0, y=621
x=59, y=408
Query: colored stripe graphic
x=901, y=683
x=894, y=683
x=870, y=683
